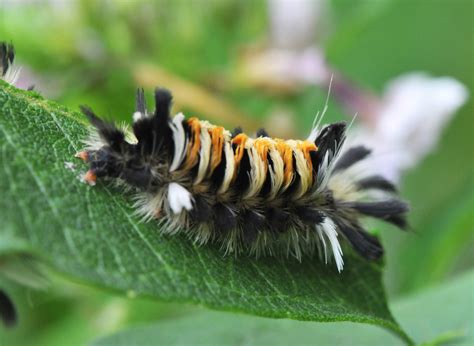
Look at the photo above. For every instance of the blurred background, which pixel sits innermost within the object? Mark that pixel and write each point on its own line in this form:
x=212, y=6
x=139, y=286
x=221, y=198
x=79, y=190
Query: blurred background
x=404, y=67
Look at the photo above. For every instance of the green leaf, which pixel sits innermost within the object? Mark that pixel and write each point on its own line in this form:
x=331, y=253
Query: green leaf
x=91, y=235
x=435, y=317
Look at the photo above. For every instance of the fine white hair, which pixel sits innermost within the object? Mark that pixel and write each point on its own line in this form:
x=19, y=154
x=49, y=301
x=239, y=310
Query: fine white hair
x=329, y=229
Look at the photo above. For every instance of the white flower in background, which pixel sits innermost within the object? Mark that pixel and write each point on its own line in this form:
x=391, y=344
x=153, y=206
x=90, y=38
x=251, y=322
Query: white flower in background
x=408, y=121
x=402, y=126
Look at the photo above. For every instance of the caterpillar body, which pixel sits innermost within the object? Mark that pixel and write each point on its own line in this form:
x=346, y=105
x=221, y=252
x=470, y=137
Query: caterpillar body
x=259, y=196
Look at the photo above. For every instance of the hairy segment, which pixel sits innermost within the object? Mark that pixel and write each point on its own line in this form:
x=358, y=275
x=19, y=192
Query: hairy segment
x=256, y=195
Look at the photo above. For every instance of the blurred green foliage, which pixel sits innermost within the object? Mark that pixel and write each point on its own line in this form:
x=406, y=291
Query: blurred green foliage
x=87, y=55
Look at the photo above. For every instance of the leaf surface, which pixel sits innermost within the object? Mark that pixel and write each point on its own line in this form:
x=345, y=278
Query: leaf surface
x=435, y=317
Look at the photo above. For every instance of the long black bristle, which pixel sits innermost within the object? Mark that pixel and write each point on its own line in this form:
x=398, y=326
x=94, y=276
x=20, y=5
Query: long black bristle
x=398, y=220
x=163, y=101
x=114, y=137
x=376, y=182
x=140, y=102
x=236, y=131
x=10, y=53
x=161, y=128
x=351, y=157
x=367, y=245
x=262, y=133
x=392, y=211
x=310, y=215
x=4, y=58
x=380, y=209
x=329, y=140
x=154, y=134
x=7, y=310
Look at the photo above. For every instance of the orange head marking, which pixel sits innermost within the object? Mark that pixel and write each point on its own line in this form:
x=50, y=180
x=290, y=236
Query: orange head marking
x=83, y=155
x=90, y=178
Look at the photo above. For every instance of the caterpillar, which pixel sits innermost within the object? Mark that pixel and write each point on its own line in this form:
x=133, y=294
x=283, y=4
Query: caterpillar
x=258, y=196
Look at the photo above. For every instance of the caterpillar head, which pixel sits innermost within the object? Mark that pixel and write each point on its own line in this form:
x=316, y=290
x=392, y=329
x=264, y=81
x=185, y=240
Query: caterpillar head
x=109, y=164
x=102, y=163
x=111, y=155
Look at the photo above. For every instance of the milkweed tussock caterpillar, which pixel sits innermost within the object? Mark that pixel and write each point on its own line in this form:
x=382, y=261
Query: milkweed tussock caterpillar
x=259, y=196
